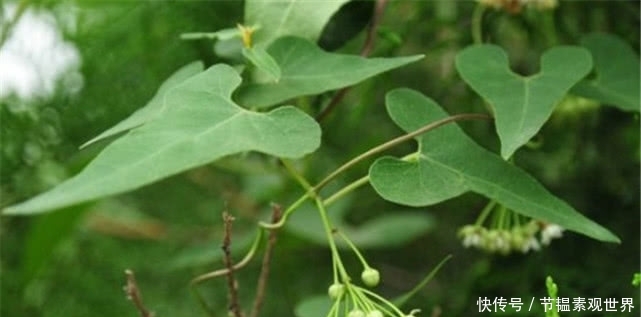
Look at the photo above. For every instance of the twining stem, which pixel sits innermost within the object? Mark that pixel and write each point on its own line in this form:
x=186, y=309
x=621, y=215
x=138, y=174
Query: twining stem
x=299, y=178
x=396, y=141
x=236, y=266
x=549, y=28
x=368, y=45
x=477, y=23
x=312, y=192
x=346, y=190
x=287, y=212
x=309, y=193
x=360, y=182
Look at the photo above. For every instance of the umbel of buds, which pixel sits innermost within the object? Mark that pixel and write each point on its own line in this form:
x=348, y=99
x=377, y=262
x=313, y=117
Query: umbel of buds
x=505, y=237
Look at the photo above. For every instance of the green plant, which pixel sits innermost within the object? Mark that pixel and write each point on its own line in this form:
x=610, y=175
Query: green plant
x=553, y=292
x=200, y=116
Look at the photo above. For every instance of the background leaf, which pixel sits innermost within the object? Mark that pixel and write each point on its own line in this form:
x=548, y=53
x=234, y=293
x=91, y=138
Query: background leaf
x=303, y=18
x=521, y=105
x=617, y=72
x=155, y=106
x=450, y=164
x=222, y=35
x=200, y=125
x=392, y=229
x=315, y=306
x=306, y=70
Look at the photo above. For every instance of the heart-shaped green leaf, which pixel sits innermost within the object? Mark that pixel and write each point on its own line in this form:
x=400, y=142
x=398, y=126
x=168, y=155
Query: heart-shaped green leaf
x=200, y=124
x=521, y=104
x=302, y=18
x=306, y=69
x=155, y=106
x=617, y=72
x=449, y=163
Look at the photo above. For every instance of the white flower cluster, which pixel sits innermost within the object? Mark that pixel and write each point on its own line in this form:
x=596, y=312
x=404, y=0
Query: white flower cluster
x=504, y=241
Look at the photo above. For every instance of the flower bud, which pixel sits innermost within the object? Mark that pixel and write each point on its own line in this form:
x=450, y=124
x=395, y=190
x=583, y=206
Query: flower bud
x=375, y=313
x=356, y=313
x=370, y=277
x=336, y=290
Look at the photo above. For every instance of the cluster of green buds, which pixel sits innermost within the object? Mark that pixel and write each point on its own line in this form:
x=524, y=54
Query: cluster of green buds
x=351, y=300
x=354, y=301
x=515, y=6
x=509, y=232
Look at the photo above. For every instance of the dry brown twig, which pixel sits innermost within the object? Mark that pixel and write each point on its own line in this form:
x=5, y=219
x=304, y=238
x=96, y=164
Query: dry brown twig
x=232, y=283
x=367, y=48
x=133, y=294
x=264, y=272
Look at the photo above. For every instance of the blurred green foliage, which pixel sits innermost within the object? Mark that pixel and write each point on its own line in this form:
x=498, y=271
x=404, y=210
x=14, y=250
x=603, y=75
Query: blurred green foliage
x=71, y=263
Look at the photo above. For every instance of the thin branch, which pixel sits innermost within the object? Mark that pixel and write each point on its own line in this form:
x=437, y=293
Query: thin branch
x=370, y=40
x=232, y=283
x=338, y=96
x=133, y=294
x=394, y=142
x=367, y=48
x=277, y=213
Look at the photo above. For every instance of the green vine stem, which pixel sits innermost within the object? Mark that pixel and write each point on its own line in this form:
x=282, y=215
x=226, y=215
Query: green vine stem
x=396, y=141
x=346, y=190
x=312, y=192
x=242, y=263
x=287, y=212
x=477, y=23
x=549, y=29
x=214, y=274
x=289, y=166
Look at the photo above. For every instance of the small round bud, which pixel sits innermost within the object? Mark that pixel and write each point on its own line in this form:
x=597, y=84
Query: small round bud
x=356, y=313
x=375, y=313
x=336, y=290
x=370, y=277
